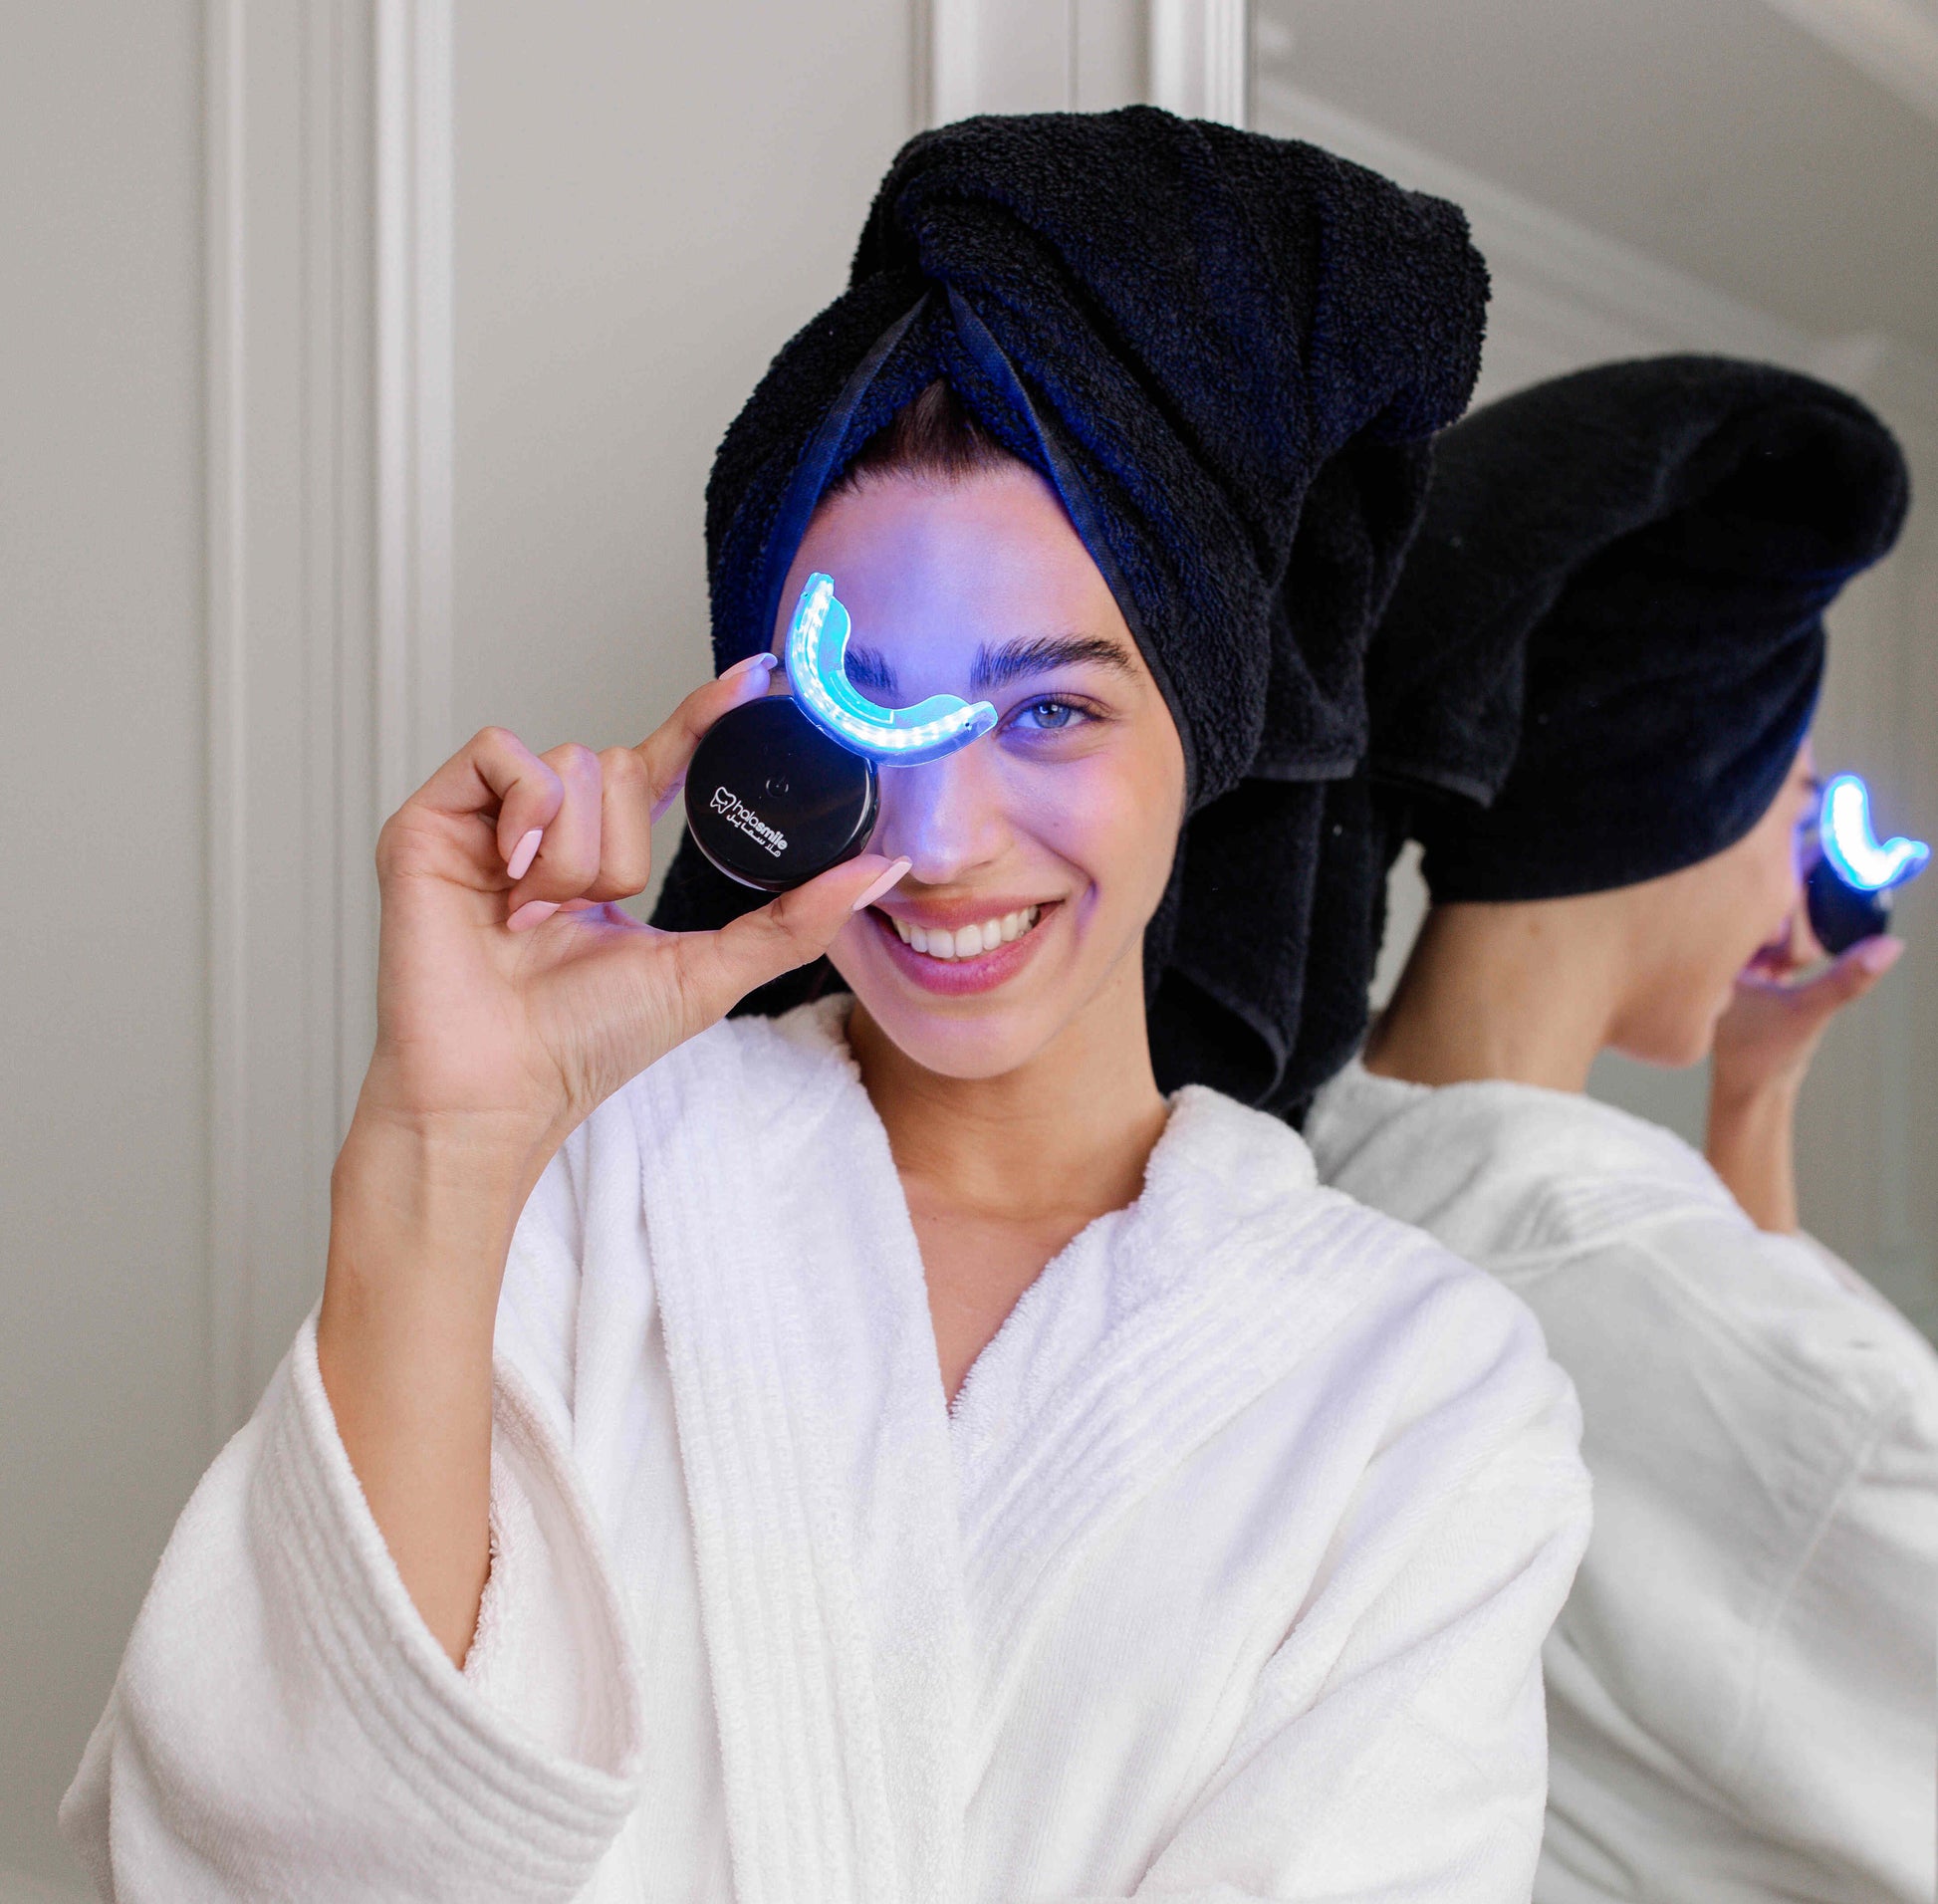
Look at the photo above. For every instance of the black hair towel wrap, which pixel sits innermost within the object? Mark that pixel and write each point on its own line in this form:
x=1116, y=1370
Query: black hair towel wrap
x=1608, y=640
x=1226, y=352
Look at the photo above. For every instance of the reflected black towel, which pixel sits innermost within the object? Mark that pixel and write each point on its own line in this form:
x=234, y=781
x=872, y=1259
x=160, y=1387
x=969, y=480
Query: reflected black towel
x=1608, y=638
x=1226, y=352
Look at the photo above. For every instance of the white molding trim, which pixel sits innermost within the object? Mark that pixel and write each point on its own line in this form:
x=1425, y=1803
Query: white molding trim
x=1000, y=56
x=1202, y=58
x=1041, y=55
x=225, y=609
x=415, y=367
x=1893, y=42
x=328, y=577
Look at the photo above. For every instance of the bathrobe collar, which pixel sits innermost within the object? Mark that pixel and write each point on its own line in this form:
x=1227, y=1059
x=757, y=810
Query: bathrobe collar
x=1551, y=1165
x=850, y=1538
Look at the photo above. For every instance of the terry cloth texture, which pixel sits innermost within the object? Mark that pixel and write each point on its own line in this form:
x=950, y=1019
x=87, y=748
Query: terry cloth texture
x=1225, y=1576
x=1607, y=643
x=1226, y=352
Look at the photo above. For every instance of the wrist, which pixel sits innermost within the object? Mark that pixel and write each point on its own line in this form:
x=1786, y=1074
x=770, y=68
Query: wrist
x=1771, y=1093
x=1751, y=1144
x=421, y=1215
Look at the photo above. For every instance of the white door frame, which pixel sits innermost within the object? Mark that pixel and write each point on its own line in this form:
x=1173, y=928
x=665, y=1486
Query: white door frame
x=328, y=443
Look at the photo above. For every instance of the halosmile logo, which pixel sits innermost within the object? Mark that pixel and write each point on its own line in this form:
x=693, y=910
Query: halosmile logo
x=738, y=813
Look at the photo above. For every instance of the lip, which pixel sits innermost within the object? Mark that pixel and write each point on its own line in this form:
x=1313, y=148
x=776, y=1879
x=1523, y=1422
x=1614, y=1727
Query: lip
x=960, y=978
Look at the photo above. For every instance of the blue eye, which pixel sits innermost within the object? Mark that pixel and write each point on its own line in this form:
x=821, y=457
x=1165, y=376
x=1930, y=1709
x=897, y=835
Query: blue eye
x=1049, y=716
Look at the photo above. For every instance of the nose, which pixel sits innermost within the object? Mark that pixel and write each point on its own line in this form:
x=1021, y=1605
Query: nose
x=947, y=817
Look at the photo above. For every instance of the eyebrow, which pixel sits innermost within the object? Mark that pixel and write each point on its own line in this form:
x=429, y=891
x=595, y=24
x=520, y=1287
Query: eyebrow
x=997, y=667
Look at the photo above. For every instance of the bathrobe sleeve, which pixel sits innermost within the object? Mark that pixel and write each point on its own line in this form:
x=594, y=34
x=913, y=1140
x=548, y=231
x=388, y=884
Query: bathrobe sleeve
x=1778, y=1634
x=1395, y=1748
x=283, y=1723
x=1839, y=1748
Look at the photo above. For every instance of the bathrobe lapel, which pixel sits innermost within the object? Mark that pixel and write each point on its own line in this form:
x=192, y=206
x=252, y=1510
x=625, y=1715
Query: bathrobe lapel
x=1231, y=1267
x=815, y=1444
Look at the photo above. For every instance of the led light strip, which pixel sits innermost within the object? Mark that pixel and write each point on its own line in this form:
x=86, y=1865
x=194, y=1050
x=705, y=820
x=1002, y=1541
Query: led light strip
x=1853, y=851
x=817, y=662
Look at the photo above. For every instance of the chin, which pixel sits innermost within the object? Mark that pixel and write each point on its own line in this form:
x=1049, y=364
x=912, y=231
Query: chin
x=1672, y=1044
x=971, y=1018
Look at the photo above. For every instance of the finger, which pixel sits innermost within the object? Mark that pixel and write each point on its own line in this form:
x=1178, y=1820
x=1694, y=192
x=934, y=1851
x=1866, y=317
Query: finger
x=565, y=861
x=1847, y=977
x=1875, y=956
x=625, y=825
x=495, y=770
x=1791, y=951
x=666, y=752
x=718, y=969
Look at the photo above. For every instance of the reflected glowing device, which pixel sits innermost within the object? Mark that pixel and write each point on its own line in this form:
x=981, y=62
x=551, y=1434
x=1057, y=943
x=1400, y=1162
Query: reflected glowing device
x=784, y=787
x=1848, y=886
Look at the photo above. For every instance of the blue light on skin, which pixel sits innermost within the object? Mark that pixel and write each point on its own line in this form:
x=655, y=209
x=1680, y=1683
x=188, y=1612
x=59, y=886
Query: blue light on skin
x=817, y=663
x=1853, y=851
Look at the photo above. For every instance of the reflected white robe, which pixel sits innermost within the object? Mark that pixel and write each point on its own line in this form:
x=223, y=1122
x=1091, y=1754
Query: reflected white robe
x=1743, y=1689
x=1225, y=1579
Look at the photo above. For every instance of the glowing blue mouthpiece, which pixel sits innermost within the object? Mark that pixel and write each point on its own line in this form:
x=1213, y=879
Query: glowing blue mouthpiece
x=816, y=661
x=1852, y=849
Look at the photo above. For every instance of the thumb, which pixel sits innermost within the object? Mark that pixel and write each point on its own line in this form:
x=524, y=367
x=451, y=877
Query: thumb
x=1852, y=974
x=718, y=969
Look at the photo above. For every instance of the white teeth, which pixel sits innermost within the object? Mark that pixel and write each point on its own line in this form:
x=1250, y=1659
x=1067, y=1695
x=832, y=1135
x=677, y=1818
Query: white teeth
x=968, y=942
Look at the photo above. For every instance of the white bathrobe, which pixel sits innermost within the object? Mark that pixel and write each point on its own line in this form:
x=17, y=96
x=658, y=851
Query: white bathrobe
x=1743, y=1690
x=1226, y=1578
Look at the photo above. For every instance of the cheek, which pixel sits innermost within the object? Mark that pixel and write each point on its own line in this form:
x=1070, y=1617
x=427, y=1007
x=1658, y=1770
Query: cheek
x=1104, y=815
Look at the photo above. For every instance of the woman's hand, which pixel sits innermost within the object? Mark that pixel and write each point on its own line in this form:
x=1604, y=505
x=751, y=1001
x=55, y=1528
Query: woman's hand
x=513, y=996
x=1763, y=1045
x=1777, y=1017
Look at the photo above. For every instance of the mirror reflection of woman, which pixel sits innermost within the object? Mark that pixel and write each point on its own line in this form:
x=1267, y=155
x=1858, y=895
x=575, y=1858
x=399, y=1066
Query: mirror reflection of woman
x=1625, y=570
x=891, y=1451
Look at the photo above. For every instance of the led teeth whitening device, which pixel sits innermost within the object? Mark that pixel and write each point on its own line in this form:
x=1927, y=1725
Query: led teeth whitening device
x=1849, y=885
x=784, y=787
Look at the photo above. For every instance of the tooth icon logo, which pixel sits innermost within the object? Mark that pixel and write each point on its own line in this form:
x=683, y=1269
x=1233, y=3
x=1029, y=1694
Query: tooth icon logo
x=736, y=812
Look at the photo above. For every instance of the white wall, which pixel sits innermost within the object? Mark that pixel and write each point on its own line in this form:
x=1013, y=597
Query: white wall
x=649, y=202
x=102, y=1022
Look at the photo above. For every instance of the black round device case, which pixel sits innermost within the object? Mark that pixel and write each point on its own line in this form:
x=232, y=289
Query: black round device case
x=771, y=801
x=1840, y=915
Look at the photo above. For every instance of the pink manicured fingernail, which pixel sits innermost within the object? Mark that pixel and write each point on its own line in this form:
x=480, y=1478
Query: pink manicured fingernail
x=1881, y=954
x=523, y=853
x=761, y=660
x=532, y=912
x=882, y=885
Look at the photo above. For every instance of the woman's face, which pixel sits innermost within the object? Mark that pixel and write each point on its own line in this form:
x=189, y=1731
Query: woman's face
x=1039, y=853
x=1701, y=926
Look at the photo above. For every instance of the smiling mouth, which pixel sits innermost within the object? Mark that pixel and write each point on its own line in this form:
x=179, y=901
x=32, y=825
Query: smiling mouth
x=966, y=942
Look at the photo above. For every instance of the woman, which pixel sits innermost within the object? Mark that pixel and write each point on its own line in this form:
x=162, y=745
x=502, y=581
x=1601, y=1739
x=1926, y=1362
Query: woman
x=1597, y=676
x=920, y=1460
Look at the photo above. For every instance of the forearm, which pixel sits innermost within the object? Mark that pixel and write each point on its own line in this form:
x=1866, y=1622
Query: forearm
x=1752, y=1147
x=420, y=1225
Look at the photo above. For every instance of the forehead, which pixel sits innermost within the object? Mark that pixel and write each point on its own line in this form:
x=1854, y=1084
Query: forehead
x=942, y=568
